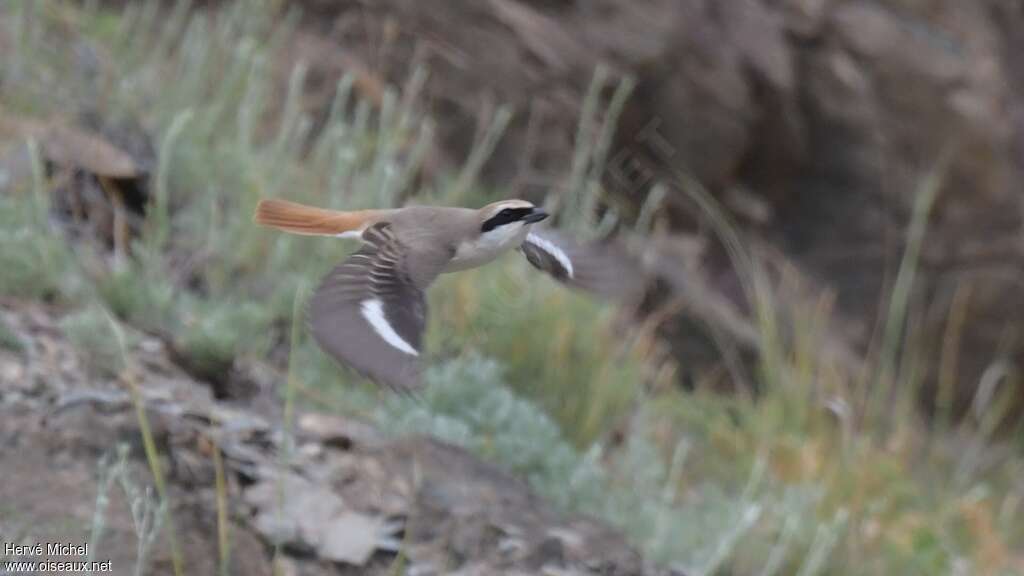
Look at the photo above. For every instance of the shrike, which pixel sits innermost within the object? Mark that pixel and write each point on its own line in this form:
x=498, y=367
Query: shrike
x=370, y=311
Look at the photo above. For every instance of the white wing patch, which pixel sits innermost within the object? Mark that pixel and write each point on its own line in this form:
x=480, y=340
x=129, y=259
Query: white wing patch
x=373, y=311
x=555, y=252
x=352, y=234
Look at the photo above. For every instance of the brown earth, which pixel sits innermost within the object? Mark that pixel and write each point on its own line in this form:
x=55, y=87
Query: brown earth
x=352, y=498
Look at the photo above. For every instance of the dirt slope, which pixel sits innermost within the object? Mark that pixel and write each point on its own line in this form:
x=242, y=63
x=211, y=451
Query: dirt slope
x=351, y=497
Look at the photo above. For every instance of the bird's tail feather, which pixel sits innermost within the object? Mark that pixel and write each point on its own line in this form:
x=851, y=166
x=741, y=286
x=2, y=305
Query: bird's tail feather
x=301, y=219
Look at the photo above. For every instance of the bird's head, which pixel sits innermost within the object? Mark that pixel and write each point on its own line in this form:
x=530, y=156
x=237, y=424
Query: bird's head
x=508, y=218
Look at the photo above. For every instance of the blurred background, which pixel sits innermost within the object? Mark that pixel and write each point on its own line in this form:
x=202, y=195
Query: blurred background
x=823, y=375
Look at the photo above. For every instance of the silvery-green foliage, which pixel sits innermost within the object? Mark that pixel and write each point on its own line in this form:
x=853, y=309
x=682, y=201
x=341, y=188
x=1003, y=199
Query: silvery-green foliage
x=147, y=511
x=91, y=330
x=467, y=404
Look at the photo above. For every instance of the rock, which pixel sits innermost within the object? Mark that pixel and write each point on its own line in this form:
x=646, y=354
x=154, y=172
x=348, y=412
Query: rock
x=72, y=146
x=804, y=18
x=294, y=512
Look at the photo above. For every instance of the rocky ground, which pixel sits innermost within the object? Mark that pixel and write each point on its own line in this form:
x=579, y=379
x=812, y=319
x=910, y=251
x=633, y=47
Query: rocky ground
x=356, y=501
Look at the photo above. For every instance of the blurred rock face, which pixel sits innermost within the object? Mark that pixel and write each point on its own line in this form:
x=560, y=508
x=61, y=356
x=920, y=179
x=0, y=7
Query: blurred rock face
x=832, y=114
x=814, y=121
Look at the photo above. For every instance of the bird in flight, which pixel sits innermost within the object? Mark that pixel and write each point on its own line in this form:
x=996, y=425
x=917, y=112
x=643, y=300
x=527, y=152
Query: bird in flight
x=370, y=312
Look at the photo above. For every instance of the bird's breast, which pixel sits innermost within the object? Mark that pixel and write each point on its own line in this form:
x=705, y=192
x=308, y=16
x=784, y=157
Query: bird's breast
x=482, y=250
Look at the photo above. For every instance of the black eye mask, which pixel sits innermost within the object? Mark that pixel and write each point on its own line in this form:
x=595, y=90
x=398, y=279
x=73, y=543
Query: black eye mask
x=506, y=216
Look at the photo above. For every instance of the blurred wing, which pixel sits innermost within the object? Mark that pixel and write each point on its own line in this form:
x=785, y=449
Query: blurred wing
x=370, y=312
x=597, y=268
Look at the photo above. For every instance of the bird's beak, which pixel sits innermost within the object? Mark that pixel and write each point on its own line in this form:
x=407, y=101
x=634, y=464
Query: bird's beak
x=536, y=216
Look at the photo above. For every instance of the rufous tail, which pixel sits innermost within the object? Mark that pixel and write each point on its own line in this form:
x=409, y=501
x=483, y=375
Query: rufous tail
x=301, y=219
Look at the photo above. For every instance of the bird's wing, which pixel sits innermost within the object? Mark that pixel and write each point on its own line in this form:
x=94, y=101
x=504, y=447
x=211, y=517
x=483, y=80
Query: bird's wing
x=598, y=268
x=370, y=311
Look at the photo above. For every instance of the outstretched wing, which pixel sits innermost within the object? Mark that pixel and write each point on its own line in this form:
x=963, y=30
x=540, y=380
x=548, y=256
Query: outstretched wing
x=597, y=268
x=370, y=312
